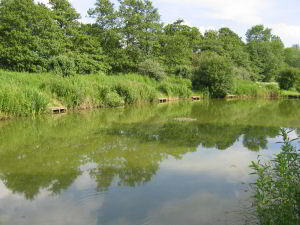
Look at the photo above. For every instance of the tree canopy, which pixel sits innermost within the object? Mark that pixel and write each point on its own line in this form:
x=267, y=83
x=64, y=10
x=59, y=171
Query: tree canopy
x=125, y=35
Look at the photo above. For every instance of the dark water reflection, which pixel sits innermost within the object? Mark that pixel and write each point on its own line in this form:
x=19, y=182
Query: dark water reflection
x=138, y=165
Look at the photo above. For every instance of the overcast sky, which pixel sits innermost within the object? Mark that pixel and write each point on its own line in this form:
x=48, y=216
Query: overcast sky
x=283, y=16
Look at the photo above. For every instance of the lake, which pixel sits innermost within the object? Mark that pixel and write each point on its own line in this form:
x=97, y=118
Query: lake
x=183, y=163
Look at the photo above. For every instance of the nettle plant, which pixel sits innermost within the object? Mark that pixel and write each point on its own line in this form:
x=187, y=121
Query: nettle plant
x=277, y=188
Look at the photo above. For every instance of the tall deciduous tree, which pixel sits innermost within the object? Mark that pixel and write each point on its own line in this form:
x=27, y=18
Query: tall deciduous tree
x=292, y=56
x=178, y=43
x=140, y=26
x=266, y=51
x=28, y=36
x=107, y=31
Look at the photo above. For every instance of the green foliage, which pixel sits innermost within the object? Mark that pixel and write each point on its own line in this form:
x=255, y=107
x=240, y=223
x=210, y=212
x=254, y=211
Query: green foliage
x=19, y=101
x=130, y=37
x=255, y=89
x=62, y=65
x=226, y=43
x=177, y=44
x=266, y=52
x=25, y=94
x=292, y=57
x=259, y=33
x=184, y=71
x=215, y=73
x=244, y=74
x=272, y=88
x=113, y=99
x=152, y=69
x=68, y=91
x=27, y=39
x=287, y=78
x=173, y=86
x=277, y=188
x=104, y=13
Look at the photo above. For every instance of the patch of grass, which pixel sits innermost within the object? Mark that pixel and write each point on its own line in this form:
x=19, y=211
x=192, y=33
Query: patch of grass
x=285, y=93
x=255, y=89
x=30, y=94
x=176, y=86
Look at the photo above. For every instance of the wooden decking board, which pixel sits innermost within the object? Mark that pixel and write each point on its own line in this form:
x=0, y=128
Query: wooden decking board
x=58, y=110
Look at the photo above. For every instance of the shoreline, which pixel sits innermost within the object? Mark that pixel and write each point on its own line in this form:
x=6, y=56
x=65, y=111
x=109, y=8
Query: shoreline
x=5, y=117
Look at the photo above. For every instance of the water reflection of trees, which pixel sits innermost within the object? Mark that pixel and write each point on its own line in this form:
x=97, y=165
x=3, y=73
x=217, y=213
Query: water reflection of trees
x=126, y=146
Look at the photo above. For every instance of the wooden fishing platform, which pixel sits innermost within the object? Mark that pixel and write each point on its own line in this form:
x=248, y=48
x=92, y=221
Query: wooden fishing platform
x=58, y=110
x=162, y=100
x=231, y=96
x=196, y=98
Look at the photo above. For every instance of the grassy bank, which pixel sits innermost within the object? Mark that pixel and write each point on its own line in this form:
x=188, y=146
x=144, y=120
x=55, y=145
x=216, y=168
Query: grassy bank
x=255, y=89
x=24, y=94
x=29, y=94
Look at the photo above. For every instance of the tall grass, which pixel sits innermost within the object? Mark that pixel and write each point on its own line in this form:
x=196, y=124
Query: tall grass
x=25, y=94
x=277, y=189
x=252, y=89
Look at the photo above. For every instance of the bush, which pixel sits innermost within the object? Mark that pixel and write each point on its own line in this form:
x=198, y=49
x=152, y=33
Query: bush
x=62, y=65
x=85, y=64
x=215, y=73
x=243, y=74
x=128, y=90
x=113, y=99
x=297, y=84
x=277, y=188
x=152, y=69
x=184, y=71
x=287, y=78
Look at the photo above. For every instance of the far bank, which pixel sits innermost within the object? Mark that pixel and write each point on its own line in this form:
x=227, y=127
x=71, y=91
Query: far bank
x=26, y=94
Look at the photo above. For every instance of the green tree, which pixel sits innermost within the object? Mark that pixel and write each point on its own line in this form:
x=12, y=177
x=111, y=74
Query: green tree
x=287, y=78
x=292, y=56
x=83, y=53
x=178, y=43
x=107, y=31
x=259, y=33
x=215, y=73
x=105, y=14
x=27, y=39
x=266, y=52
x=65, y=15
x=140, y=26
x=234, y=48
x=226, y=43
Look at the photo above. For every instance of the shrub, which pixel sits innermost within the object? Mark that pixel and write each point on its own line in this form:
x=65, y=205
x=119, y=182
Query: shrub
x=128, y=90
x=277, y=188
x=184, y=71
x=113, y=99
x=85, y=64
x=215, y=73
x=287, y=78
x=297, y=84
x=62, y=65
x=152, y=69
x=243, y=74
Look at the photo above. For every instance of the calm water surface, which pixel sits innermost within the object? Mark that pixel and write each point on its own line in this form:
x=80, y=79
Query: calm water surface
x=173, y=164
